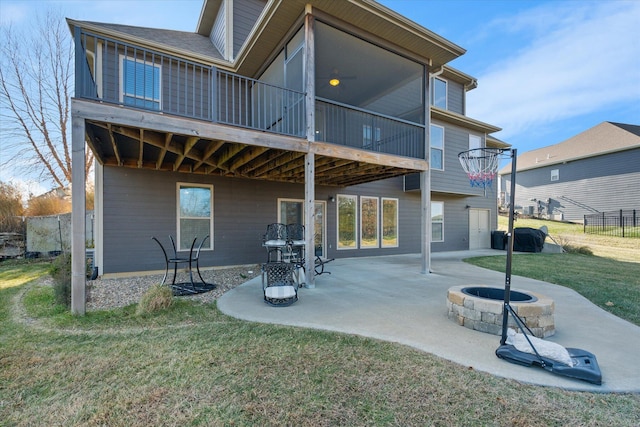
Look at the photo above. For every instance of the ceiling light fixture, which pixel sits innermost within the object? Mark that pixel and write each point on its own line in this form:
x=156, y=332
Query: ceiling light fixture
x=334, y=82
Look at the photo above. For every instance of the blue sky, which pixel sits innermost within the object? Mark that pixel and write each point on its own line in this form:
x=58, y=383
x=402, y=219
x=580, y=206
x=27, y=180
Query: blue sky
x=546, y=70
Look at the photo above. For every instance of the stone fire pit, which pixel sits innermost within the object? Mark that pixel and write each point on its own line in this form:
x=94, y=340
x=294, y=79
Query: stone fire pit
x=479, y=307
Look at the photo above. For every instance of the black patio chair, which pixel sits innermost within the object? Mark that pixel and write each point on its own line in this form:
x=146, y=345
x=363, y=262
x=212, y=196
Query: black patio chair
x=279, y=283
x=295, y=239
x=275, y=240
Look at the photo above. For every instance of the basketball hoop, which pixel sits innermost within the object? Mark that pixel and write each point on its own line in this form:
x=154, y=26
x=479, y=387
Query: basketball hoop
x=481, y=165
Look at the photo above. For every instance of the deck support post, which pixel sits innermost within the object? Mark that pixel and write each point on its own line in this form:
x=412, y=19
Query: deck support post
x=425, y=185
x=78, y=217
x=309, y=157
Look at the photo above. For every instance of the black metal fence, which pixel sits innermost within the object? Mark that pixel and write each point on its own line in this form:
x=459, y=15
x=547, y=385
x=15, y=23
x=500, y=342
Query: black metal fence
x=622, y=223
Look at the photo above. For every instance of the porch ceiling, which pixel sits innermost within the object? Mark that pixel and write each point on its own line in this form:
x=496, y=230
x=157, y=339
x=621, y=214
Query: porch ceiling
x=136, y=147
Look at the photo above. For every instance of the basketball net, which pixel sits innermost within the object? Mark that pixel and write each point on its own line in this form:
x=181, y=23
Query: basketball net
x=480, y=165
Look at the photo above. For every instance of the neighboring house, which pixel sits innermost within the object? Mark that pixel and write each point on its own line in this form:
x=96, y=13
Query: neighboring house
x=597, y=170
x=310, y=111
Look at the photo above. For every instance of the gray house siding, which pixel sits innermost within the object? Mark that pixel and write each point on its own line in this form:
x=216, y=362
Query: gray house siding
x=456, y=220
x=218, y=33
x=453, y=178
x=596, y=184
x=186, y=87
x=245, y=15
x=242, y=209
x=455, y=97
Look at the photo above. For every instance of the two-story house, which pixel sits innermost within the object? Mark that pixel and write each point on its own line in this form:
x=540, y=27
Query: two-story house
x=341, y=115
x=595, y=171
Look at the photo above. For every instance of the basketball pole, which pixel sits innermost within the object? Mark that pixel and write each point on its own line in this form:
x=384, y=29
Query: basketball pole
x=507, y=275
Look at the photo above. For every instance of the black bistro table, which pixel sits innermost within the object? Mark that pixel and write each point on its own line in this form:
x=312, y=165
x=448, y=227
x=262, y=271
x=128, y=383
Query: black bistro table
x=191, y=287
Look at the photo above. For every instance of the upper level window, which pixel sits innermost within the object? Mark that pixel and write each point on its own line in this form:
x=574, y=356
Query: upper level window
x=439, y=93
x=436, y=141
x=140, y=83
x=555, y=174
x=474, y=142
x=195, y=215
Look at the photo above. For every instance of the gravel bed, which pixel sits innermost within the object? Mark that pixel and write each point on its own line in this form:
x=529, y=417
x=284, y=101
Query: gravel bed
x=111, y=293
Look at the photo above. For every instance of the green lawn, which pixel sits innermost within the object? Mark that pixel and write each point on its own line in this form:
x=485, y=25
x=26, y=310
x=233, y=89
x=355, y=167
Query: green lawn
x=610, y=278
x=191, y=365
x=610, y=284
x=618, y=248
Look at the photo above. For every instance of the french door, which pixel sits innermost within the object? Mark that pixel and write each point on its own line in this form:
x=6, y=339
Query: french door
x=291, y=211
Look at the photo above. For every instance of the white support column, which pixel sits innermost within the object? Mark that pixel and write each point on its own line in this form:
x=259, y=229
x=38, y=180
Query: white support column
x=310, y=162
x=425, y=182
x=425, y=186
x=78, y=217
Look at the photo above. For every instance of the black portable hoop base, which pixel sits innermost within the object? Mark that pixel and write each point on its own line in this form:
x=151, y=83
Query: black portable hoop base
x=585, y=366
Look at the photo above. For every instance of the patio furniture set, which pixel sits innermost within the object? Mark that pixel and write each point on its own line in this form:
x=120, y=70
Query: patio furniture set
x=282, y=274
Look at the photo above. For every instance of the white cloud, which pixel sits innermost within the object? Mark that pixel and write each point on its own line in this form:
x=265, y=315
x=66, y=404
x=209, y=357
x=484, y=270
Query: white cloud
x=578, y=60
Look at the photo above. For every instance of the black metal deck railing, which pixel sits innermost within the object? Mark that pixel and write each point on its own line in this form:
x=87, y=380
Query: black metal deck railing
x=120, y=73
x=358, y=128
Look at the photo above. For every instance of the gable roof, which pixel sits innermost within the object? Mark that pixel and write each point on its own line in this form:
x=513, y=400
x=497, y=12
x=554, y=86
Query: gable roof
x=605, y=138
x=279, y=16
x=182, y=43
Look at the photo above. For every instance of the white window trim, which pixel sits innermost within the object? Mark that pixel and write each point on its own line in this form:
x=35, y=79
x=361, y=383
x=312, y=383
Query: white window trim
x=472, y=137
x=436, y=148
x=121, y=78
x=441, y=222
x=377, y=244
x=209, y=244
x=356, y=229
x=383, y=199
x=555, y=175
x=285, y=199
x=446, y=93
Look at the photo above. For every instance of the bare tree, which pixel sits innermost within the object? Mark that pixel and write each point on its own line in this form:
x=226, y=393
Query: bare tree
x=36, y=78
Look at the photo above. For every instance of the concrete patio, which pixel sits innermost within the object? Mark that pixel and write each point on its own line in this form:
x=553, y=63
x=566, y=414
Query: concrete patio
x=387, y=298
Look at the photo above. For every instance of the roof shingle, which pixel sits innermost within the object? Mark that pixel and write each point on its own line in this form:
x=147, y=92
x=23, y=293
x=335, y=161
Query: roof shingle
x=607, y=137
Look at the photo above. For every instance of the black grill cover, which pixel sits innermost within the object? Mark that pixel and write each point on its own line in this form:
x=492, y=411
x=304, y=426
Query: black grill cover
x=527, y=239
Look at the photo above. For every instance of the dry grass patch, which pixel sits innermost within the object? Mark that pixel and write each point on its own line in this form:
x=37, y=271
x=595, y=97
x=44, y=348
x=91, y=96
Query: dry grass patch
x=158, y=297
